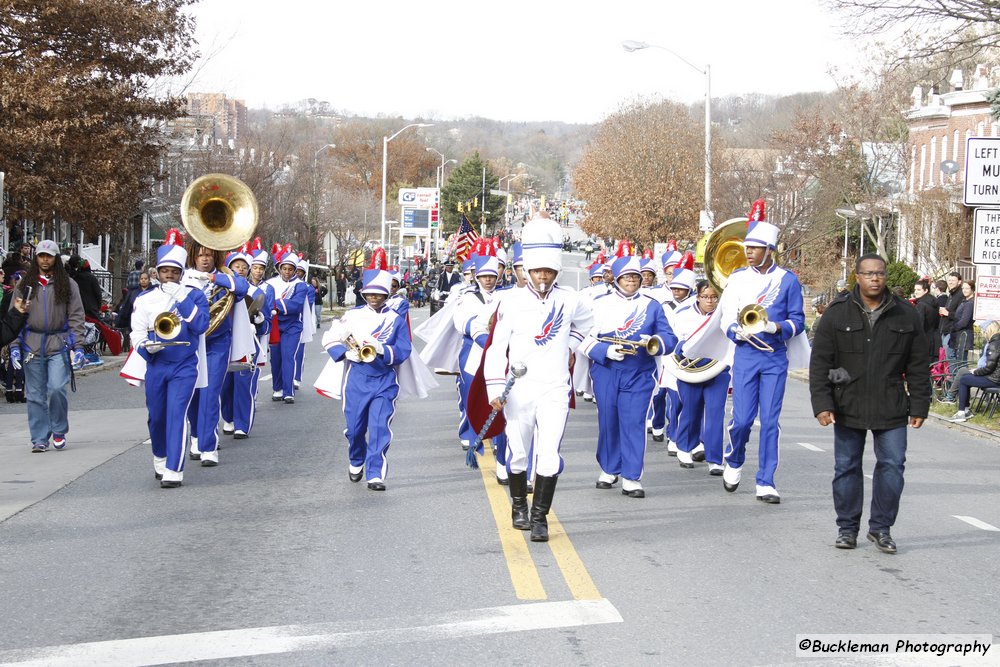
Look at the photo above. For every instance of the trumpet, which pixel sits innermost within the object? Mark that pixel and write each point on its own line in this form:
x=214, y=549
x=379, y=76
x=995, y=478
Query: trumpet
x=366, y=352
x=752, y=319
x=631, y=347
x=167, y=325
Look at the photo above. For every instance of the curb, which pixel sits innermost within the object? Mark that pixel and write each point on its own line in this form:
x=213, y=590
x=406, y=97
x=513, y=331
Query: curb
x=109, y=364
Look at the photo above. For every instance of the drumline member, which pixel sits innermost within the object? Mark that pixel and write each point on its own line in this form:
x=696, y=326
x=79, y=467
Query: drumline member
x=287, y=325
x=308, y=318
x=370, y=385
x=204, y=412
x=539, y=326
x=759, y=375
x=656, y=418
x=624, y=382
x=171, y=373
x=239, y=391
x=702, y=395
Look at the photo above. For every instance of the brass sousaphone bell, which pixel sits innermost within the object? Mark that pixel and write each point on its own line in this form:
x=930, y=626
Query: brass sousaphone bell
x=219, y=211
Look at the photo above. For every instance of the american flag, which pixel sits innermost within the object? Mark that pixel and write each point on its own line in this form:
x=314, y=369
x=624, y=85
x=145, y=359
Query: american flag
x=466, y=238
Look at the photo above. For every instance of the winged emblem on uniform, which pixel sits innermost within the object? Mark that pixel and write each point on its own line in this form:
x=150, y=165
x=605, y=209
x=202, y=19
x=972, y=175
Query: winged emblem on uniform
x=632, y=323
x=551, y=326
x=769, y=294
x=383, y=331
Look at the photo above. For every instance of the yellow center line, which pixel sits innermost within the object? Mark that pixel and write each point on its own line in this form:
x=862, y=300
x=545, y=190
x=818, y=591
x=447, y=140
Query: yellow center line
x=573, y=570
x=523, y=573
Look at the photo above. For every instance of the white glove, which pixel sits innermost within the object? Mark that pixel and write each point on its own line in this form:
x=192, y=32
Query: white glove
x=379, y=347
x=644, y=337
x=258, y=318
x=615, y=353
x=172, y=289
x=741, y=334
x=771, y=327
x=199, y=275
x=151, y=347
x=352, y=355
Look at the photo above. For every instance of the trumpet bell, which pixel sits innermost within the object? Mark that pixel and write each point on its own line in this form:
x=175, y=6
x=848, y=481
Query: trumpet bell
x=167, y=326
x=219, y=211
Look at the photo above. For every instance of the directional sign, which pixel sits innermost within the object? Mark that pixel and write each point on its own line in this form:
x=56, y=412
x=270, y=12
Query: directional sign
x=982, y=171
x=986, y=236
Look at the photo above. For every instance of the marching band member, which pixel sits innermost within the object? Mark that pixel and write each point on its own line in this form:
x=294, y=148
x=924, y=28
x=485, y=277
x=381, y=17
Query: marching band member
x=517, y=261
x=759, y=374
x=665, y=423
x=370, y=384
x=308, y=318
x=623, y=381
x=204, y=412
x=702, y=396
x=581, y=364
x=472, y=302
x=656, y=419
x=290, y=295
x=648, y=272
x=397, y=300
x=171, y=372
x=239, y=391
x=539, y=326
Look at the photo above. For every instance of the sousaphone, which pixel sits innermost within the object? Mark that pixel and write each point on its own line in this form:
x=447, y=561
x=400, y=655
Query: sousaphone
x=219, y=211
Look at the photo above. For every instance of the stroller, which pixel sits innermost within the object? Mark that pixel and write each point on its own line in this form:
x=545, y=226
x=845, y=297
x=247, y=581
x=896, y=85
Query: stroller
x=91, y=339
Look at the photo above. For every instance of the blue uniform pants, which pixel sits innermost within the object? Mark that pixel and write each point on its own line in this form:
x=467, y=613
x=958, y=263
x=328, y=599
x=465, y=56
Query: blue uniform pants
x=369, y=404
x=673, y=413
x=703, y=410
x=300, y=354
x=283, y=363
x=621, y=410
x=169, y=393
x=658, y=408
x=465, y=431
x=205, y=408
x=239, y=398
x=758, y=384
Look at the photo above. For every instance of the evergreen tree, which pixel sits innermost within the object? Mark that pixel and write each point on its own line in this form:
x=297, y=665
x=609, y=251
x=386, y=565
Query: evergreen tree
x=465, y=187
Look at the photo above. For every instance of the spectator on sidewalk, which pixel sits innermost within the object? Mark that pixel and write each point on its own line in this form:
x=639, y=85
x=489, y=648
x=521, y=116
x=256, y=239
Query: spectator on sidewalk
x=947, y=311
x=341, y=283
x=962, y=332
x=985, y=376
x=132, y=282
x=927, y=308
x=49, y=346
x=124, y=319
x=92, y=297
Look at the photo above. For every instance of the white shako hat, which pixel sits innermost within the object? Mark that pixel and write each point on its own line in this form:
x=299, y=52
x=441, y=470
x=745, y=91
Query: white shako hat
x=542, y=243
x=376, y=282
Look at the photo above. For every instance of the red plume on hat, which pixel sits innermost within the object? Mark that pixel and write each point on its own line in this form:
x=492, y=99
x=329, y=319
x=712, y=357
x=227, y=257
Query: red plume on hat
x=601, y=259
x=379, y=260
x=756, y=212
x=671, y=245
x=687, y=261
x=174, y=237
x=647, y=254
x=256, y=245
x=275, y=250
x=624, y=248
x=245, y=248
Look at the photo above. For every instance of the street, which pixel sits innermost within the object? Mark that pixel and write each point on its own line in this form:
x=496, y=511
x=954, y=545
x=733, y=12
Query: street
x=275, y=558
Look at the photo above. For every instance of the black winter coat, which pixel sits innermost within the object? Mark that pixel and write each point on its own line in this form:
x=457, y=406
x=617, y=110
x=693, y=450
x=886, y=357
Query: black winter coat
x=888, y=374
x=992, y=368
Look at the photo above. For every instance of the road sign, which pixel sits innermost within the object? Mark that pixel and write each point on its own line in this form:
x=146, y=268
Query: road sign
x=986, y=236
x=987, y=303
x=982, y=171
x=416, y=218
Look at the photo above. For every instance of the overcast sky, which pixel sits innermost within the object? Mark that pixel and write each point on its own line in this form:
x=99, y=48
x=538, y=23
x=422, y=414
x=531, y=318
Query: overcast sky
x=510, y=60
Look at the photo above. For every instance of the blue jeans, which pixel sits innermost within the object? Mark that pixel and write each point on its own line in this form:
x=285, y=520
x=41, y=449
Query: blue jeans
x=849, y=481
x=965, y=385
x=45, y=380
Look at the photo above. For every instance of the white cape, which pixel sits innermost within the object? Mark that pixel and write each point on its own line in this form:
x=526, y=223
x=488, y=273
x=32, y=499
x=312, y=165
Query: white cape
x=134, y=369
x=714, y=344
x=444, y=342
x=415, y=379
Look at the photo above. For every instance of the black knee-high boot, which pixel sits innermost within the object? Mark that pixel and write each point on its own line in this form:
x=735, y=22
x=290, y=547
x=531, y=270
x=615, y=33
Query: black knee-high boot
x=519, y=500
x=545, y=487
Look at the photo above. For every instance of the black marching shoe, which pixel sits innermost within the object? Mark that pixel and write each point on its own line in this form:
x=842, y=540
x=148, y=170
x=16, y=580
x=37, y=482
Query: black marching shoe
x=846, y=541
x=355, y=476
x=157, y=476
x=883, y=542
x=169, y=483
x=657, y=438
x=376, y=485
x=541, y=502
x=288, y=400
x=518, y=484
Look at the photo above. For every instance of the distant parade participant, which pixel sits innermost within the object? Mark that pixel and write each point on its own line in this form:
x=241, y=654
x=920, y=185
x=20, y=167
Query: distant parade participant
x=397, y=300
x=171, y=372
x=287, y=324
x=517, y=261
x=370, y=384
x=581, y=364
x=624, y=381
x=204, y=412
x=472, y=303
x=658, y=405
x=702, y=389
x=761, y=361
x=648, y=273
x=308, y=318
x=539, y=326
x=239, y=391
x=681, y=286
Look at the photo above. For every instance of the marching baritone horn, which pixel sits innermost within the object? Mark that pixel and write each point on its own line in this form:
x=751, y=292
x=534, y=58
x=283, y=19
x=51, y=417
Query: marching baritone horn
x=752, y=319
x=631, y=347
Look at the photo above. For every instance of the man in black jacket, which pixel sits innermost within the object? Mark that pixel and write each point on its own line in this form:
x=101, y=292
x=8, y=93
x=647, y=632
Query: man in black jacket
x=869, y=372
x=947, y=313
x=928, y=315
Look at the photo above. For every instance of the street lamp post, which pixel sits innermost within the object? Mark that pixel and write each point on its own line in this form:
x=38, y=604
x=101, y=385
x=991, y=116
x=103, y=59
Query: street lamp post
x=847, y=214
x=706, y=223
x=500, y=185
x=385, y=166
x=315, y=202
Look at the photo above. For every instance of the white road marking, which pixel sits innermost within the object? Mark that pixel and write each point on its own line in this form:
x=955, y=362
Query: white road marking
x=811, y=448
x=262, y=378
x=973, y=521
x=147, y=441
x=167, y=649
